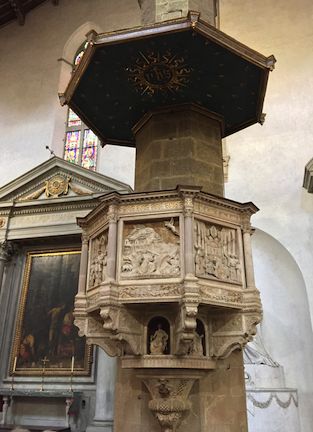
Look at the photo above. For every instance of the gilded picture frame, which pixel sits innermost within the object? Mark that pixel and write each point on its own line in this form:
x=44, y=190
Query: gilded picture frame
x=45, y=324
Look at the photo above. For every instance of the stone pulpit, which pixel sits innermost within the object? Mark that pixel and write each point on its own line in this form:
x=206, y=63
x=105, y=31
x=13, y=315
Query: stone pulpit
x=166, y=278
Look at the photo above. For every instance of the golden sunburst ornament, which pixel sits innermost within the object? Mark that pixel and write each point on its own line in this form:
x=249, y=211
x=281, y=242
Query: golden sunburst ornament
x=56, y=186
x=155, y=72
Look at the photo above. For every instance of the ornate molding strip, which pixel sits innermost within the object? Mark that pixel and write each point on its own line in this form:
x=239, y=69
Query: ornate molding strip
x=266, y=404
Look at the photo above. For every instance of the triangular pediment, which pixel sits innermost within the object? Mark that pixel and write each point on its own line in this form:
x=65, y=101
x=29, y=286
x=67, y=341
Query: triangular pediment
x=59, y=179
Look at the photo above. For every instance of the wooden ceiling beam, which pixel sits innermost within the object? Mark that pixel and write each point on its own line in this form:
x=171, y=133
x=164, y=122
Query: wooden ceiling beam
x=19, y=11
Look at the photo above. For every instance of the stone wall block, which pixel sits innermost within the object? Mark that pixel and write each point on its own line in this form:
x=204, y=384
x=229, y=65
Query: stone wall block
x=209, y=186
x=159, y=168
x=154, y=184
x=202, y=169
x=172, y=182
x=163, y=127
x=218, y=175
x=208, y=152
x=178, y=148
x=180, y=166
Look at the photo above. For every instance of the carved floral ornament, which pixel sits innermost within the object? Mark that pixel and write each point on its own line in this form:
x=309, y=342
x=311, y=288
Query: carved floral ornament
x=56, y=186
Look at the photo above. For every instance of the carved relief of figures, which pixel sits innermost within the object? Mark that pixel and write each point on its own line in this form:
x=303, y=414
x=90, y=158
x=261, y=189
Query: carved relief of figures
x=146, y=252
x=158, y=341
x=97, y=272
x=216, y=253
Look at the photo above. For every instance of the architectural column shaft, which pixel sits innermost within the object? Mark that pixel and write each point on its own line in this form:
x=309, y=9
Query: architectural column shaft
x=112, y=243
x=83, y=267
x=189, y=256
x=248, y=259
x=2, y=265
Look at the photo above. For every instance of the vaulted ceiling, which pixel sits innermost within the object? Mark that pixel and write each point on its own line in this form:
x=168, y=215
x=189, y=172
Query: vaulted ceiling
x=16, y=10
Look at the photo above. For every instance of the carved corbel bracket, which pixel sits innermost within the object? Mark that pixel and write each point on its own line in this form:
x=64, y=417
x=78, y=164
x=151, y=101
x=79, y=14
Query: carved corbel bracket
x=169, y=389
x=109, y=315
x=185, y=325
x=233, y=332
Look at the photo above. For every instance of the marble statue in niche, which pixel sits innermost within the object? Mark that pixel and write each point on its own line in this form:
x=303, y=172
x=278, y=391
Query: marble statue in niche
x=147, y=253
x=216, y=253
x=196, y=348
x=98, y=264
x=158, y=341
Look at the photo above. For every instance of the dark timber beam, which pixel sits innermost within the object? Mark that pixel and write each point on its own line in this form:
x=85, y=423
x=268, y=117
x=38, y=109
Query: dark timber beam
x=19, y=11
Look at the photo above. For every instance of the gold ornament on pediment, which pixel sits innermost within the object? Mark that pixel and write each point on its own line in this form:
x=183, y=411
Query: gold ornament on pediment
x=2, y=222
x=56, y=186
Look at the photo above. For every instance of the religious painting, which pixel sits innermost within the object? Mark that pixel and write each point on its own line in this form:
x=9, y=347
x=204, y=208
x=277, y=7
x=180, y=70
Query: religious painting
x=45, y=327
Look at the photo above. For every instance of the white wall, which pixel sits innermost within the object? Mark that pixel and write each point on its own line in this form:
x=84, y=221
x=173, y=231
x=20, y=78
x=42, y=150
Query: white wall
x=267, y=162
x=30, y=114
x=286, y=325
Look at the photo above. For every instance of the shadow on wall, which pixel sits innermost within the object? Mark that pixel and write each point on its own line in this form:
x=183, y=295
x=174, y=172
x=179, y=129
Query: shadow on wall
x=286, y=325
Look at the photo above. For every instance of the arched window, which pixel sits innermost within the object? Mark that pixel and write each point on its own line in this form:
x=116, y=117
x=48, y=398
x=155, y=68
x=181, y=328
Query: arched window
x=81, y=144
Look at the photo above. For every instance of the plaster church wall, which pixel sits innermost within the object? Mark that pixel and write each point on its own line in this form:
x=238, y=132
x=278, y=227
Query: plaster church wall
x=31, y=77
x=267, y=163
x=286, y=325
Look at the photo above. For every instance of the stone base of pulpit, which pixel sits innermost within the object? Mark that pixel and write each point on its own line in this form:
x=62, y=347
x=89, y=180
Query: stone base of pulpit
x=216, y=401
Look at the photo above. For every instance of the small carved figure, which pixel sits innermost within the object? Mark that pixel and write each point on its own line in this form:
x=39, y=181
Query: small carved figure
x=238, y=271
x=170, y=225
x=199, y=260
x=196, y=347
x=147, y=265
x=232, y=262
x=100, y=265
x=92, y=273
x=209, y=266
x=158, y=341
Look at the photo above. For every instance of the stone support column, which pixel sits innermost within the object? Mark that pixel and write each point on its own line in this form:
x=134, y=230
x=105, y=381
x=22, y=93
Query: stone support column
x=159, y=10
x=248, y=256
x=104, y=410
x=112, y=243
x=179, y=145
x=83, y=265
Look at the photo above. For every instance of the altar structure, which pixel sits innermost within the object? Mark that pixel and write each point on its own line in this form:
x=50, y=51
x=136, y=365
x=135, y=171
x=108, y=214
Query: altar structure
x=166, y=275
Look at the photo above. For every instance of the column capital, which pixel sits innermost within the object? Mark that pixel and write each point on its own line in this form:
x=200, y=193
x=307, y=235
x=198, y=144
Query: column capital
x=246, y=227
x=188, y=194
x=7, y=250
x=112, y=213
x=85, y=238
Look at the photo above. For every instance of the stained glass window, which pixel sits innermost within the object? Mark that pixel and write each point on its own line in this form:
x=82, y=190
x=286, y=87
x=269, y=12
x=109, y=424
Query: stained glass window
x=90, y=148
x=73, y=119
x=81, y=144
x=80, y=54
x=72, y=145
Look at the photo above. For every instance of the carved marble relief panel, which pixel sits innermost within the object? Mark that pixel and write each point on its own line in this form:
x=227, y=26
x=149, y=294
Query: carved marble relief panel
x=216, y=252
x=98, y=259
x=151, y=249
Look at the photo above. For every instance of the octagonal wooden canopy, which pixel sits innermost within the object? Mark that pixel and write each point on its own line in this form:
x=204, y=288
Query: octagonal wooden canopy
x=124, y=74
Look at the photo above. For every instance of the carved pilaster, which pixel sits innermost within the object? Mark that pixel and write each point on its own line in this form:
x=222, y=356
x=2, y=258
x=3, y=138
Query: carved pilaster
x=112, y=242
x=83, y=265
x=247, y=231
